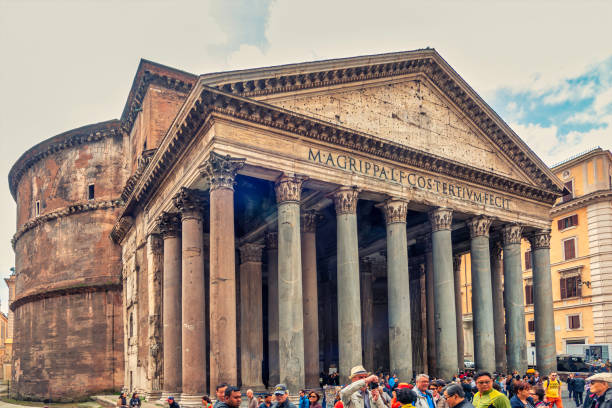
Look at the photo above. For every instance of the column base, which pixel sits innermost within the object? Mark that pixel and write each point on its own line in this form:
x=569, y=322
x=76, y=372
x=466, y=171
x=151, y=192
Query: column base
x=165, y=394
x=153, y=395
x=190, y=400
x=256, y=388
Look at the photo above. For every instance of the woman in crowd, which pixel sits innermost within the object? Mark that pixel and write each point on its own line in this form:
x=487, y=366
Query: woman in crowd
x=135, y=401
x=313, y=400
x=122, y=401
x=522, y=397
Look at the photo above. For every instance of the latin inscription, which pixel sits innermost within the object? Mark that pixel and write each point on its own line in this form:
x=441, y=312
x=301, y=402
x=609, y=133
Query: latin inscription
x=393, y=175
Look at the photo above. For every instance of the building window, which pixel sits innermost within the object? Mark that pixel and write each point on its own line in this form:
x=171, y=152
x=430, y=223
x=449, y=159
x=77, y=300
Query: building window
x=37, y=209
x=573, y=322
x=567, y=222
x=527, y=260
x=569, y=248
x=570, y=287
x=531, y=326
x=529, y=294
x=91, y=192
x=570, y=188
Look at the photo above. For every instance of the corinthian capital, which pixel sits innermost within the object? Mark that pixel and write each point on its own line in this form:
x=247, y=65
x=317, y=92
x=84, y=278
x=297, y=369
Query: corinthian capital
x=511, y=234
x=169, y=224
x=220, y=171
x=540, y=239
x=250, y=253
x=189, y=201
x=479, y=226
x=395, y=210
x=288, y=189
x=345, y=200
x=309, y=220
x=441, y=219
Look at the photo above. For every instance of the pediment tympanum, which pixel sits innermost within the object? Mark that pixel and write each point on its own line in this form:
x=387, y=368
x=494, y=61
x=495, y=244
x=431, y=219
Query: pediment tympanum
x=411, y=113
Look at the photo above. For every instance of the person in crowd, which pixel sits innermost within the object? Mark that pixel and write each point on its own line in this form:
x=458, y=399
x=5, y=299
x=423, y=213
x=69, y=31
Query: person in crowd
x=577, y=386
x=424, y=396
x=406, y=397
x=313, y=400
x=357, y=395
x=393, y=381
x=601, y=391
x=467, y=388
x=303, y=399
x=282, y=397
x=522, y=398
x=439, y=393
x=384, y=395
x=135, y=401
x=338, y=401
x=267, y=401
x=172, y=403
x=232, y=397
x=206, y=402
x=251, y=400
x=486, y=395
x=455, y=396
x=552, y=386
x=122, y=400
x=220, y=394
x=570, y=380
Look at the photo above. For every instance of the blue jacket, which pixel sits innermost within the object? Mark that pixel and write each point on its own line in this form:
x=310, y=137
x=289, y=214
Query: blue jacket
x=515, y=402
x=304, y=403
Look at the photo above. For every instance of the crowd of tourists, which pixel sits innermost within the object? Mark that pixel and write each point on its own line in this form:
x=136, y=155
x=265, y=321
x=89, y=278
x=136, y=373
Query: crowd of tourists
x=465, y=390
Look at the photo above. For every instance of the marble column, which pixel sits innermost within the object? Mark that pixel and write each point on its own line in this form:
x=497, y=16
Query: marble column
x=190, y=205
x=514, y=299
x=251, y=322
x=430, y=307
x=349, y=305
x=367, y=312
x=170, y=228
x=398, y=289
x=423, y=316
x=482, y=301
x=290, y=300
x=444, y=292
x=458, y=311
x=498, y=307
x=310, y=296
x=155, y=261
x=272, y=254
x=220, y=172
x=543, y=303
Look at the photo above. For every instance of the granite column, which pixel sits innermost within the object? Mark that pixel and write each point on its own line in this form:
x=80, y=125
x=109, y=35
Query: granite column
x=349, y=305
x=430, y=307
x=444, y=292
x=272, y=254
x=367, y=311
x=458, y=311
x=498, y=307
x=310, y=296
x=290, y=300
x=155, y=261
x=514, y=300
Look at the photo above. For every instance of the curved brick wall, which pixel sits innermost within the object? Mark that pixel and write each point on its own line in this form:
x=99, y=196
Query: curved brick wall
x=68, y=307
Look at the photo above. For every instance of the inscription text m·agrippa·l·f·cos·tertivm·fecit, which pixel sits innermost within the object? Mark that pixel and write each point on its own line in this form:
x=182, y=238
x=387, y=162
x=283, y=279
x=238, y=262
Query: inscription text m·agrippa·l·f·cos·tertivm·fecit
x=410, y=178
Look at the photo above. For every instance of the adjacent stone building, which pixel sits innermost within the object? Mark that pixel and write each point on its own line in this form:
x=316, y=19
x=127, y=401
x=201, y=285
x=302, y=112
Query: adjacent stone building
x=259, y=226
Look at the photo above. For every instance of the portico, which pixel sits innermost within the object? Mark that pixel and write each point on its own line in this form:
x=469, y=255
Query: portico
x=296, y=181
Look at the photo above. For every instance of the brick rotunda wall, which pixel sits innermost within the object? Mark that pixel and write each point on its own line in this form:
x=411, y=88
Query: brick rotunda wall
x=68, y=307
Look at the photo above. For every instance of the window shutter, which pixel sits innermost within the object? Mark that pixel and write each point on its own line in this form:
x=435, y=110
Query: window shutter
x=575, y=219
x=528, y=260
x=569, y=248
x=563, y=288
x=529, y=294
x=578, y=287
x=531, y=326
x=560, y=224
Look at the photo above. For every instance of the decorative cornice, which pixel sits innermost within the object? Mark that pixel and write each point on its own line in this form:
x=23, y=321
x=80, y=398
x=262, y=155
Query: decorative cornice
x=272, y=240
x=143, y=162
x=64, y=212
x=540, y=240
x=121, y=228
x=220, y=171
x=591, y=198
x=309, y=220
x=479, y=226
x=169, y=225
x=288, y=189
x=440, y=219
x=72, y=138
x=190, y=202
x=395, y=210
x=512, y=234
x=345, y=200
x=65, y=291
x=250, y=253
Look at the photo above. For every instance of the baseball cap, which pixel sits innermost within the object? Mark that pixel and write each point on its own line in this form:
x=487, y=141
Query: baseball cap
x=280, y=389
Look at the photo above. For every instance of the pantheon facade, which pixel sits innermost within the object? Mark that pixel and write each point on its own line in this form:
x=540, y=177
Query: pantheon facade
x=263, y=225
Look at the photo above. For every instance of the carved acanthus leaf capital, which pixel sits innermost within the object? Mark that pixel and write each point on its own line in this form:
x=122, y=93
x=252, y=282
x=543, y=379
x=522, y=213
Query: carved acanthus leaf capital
x=479, y=226
x=309, y=220
x=345, y=200
x=250, y=252
x=220, y=171
x=441, y=219
x=540, y=239
x=288, y=189
x=512, y=234
x=395, y=210
x=272, y=240
x=169, y=224
x=189, y=201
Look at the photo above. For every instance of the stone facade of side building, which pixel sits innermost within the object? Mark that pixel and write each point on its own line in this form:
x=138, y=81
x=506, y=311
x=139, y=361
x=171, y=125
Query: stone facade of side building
x=260, y=226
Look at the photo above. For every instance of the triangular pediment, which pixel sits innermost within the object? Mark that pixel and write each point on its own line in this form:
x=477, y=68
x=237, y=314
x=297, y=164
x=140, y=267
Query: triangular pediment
x=409, y=112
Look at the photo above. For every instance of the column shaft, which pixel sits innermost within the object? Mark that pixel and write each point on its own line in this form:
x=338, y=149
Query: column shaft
x=398, y=286
x=458, y=312
x=514, y=301
x=349, y=305
x=482, y=301
x=272, y=253
x=423, y=316
x=444, y=293
x=367, y=312
x=543, y=303
x=290, y=301
x=430, y=307
x=155, y=260
x=498, y=308
x=310, y=297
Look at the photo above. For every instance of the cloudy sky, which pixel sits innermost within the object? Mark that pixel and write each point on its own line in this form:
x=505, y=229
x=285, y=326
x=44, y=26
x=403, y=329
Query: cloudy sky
x=544, y=66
